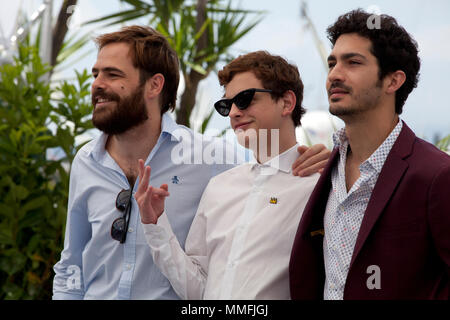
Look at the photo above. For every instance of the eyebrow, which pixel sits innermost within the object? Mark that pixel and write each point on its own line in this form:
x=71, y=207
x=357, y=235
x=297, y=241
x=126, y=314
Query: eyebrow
x=108, y=69
x=347, y=56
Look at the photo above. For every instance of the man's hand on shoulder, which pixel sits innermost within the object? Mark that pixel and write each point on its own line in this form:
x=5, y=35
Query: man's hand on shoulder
x=311, y=160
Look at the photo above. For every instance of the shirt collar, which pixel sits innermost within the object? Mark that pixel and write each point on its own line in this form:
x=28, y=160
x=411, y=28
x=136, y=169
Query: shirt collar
x=377, y=159
x=98, y=150
x=339, y=138
x=282, y=162
x=168, y=126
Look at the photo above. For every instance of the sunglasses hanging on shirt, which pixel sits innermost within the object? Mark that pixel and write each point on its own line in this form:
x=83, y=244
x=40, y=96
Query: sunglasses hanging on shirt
x=120, y=225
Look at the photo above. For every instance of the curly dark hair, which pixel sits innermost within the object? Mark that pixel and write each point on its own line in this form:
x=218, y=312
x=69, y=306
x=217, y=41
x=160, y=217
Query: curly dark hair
x=392, y=45
x=274, y=72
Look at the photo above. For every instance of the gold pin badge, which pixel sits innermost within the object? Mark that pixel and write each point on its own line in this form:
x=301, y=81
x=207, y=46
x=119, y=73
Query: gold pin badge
x=318, y=232
x=273, y=200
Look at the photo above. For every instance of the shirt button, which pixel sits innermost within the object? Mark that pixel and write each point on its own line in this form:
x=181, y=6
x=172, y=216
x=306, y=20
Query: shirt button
x=130, y=230
x=128, y=267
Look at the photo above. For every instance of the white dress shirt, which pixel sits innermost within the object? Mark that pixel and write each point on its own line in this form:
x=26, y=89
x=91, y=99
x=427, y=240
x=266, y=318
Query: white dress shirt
x=240, y=241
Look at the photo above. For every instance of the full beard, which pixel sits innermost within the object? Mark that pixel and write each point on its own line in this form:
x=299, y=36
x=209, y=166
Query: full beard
x=128, y=113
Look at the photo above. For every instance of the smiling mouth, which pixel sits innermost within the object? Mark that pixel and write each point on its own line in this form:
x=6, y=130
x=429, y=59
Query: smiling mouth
x=241, y=126
x=102, y=101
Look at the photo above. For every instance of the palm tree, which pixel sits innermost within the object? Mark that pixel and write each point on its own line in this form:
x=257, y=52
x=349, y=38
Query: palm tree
x=57, y=48
x=201, y=32
x=60, y=29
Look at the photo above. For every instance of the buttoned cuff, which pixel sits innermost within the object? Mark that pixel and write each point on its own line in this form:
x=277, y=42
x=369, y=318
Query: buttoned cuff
x=159, y=232
x=66, y=296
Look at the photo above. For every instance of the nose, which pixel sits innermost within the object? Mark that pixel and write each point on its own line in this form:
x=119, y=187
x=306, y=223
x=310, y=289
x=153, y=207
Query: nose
x=98, y=83
x=335, y=74
x=235, y=112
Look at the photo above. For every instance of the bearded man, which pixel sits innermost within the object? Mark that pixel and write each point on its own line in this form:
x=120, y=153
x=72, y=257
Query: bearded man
x=105, y=252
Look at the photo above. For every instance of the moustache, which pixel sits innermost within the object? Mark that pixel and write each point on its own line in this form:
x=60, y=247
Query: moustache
x=339, y=85
x=101, y=94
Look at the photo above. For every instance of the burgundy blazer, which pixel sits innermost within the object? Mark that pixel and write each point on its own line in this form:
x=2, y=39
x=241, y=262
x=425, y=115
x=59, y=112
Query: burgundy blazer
x=405, y=230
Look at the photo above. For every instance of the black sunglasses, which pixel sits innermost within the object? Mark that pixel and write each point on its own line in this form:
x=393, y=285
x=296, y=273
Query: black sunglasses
x=120, y=225
x=242, y=100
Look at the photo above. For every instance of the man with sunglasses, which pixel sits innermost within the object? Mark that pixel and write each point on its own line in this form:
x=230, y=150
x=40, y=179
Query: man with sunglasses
x=105, y=253
x=240, y=241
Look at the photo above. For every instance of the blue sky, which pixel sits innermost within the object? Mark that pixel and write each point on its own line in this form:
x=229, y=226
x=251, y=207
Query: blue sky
x=427, y=110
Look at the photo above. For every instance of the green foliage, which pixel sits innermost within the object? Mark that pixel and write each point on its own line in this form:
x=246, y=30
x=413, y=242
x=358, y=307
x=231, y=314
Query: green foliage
x=35, y=120
x=223, y=27
x=444, y=144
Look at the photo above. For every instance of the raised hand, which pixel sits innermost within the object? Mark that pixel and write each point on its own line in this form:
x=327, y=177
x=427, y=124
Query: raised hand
x=311, y=160
x=150, y=200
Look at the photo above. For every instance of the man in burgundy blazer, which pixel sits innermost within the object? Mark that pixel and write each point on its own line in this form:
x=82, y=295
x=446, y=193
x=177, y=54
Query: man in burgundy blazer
x=402, y=249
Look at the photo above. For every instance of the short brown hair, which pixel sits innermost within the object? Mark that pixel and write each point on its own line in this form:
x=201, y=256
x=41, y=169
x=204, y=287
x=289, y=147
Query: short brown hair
x=151, y=53
x=274, y=72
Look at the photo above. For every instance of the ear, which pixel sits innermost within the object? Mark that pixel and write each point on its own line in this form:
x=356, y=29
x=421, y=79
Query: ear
x=154, y=86
x=394, y=81
x=289, y=100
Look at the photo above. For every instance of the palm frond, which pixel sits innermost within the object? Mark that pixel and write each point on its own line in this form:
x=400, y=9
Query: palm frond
x=444, y=144
x=206, y=121
x=72, y=45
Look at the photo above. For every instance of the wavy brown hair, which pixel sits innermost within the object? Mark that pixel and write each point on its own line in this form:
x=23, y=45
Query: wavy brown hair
x=151, y=53
x=274, y=72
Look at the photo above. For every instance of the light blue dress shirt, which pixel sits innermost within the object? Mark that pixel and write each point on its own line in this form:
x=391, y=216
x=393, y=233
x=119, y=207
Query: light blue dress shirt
x=95, y=266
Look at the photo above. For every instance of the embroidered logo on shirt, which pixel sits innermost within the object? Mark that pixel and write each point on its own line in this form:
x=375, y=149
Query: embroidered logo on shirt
x=175, y=180
x=273, y=200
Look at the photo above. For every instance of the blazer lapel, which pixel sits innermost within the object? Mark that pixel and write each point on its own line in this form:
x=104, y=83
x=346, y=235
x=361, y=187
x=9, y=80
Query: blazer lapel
x=318, y=200
x=306, y=265
x=389, y=177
